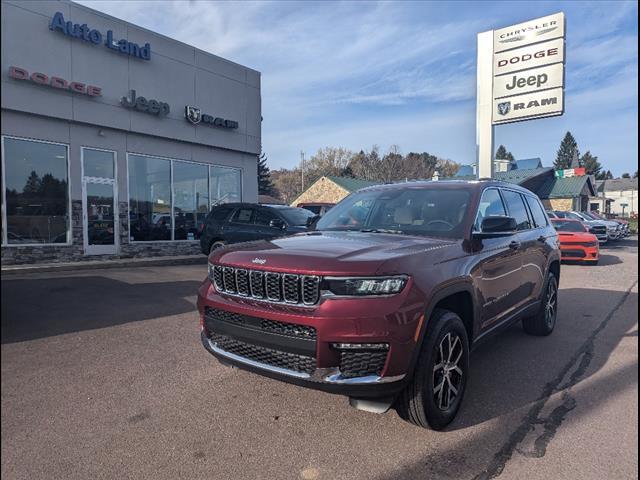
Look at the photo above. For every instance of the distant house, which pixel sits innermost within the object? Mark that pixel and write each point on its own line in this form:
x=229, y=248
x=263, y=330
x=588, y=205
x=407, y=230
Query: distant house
x=523, y=164
x=615, y=193
x=571, y=193
x=330, y=189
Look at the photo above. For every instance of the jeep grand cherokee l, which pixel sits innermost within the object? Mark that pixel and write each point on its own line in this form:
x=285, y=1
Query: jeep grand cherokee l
x=383, y=302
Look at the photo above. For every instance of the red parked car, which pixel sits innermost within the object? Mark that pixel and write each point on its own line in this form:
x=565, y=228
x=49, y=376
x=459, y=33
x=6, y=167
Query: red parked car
x=576, y=243
x=384, y=301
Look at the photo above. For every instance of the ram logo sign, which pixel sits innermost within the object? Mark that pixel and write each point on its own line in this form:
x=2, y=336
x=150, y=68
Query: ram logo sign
x=523, y=107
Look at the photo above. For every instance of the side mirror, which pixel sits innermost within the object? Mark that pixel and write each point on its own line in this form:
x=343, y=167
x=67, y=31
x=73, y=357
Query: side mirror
x=277, y=223
x=493, y=227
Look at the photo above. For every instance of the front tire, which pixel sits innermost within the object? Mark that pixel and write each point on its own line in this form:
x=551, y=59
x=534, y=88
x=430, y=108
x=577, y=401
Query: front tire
x=216, y=245
x=433, y=397
x=543, y=322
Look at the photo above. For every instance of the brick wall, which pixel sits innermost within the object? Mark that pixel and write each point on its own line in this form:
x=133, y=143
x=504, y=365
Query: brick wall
x=324, y=191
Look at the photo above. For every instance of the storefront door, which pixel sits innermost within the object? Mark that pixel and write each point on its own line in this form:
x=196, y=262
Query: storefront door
x=100, y=205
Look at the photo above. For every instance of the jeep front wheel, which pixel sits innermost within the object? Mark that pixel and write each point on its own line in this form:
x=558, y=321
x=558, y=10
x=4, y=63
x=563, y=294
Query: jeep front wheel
x=435, y=392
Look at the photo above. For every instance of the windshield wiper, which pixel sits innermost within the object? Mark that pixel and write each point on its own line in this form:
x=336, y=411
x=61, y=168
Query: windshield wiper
x=382, y=230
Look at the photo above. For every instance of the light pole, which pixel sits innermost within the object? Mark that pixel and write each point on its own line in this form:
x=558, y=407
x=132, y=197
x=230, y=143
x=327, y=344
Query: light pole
x=302, y=169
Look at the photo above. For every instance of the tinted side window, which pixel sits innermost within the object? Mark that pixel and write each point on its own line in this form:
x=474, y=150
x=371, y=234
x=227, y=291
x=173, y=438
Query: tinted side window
x=243, y=215
x=220, y=214
x=517, y=209
x=263, y=217
x=314, y=208
x=539, y=217
x=490, y=206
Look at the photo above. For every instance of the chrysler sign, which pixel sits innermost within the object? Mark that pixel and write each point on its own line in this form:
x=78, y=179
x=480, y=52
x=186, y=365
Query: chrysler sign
x=526, y=33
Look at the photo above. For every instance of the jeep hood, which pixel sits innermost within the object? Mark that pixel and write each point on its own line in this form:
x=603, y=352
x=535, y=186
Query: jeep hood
x=330, y=253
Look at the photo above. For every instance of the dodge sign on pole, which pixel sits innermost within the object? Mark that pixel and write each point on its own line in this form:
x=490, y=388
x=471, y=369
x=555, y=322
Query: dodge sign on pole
x=520, y=77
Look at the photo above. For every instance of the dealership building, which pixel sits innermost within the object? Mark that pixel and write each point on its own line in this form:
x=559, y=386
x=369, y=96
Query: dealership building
x=116, y=140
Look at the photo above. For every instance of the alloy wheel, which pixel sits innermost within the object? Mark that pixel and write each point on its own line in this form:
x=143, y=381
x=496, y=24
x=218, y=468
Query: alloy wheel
x=447, y=374
x=551, y=306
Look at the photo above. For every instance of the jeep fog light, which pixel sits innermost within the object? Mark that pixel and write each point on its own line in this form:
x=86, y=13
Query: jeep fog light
x=354, y=286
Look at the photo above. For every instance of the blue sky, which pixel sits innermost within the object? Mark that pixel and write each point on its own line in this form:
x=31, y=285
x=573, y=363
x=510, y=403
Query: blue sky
x=354, y=74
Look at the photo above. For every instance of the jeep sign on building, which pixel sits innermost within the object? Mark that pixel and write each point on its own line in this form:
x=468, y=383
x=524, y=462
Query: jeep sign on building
x=116, y=140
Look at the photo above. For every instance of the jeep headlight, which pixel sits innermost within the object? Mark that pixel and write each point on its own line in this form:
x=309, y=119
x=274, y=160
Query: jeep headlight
x=364, y=286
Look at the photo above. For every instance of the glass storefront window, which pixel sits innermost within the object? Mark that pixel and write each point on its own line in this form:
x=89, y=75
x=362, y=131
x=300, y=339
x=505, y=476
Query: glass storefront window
x=97, y=163
x=190, y=199
x=226, y=185
x=195, y=188
x=149, y=198
x=36, y=192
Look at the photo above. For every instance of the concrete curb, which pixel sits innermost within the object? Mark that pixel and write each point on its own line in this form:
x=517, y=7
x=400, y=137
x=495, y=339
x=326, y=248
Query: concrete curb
x=100, y=264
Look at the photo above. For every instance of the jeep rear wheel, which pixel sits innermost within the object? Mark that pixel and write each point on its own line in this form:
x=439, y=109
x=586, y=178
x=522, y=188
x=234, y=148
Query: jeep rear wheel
x=543, y=322
x=435, y=392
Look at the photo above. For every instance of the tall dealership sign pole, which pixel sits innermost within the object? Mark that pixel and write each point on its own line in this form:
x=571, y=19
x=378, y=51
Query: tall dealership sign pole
x=520, y=77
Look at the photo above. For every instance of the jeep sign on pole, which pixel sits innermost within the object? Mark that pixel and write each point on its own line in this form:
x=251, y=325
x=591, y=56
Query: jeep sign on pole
x=520, y=77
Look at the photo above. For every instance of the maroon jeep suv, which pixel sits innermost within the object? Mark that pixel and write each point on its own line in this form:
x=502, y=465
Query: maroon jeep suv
x=384, y=300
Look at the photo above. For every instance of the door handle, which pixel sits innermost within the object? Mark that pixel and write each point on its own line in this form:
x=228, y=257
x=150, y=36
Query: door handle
x=514, y=245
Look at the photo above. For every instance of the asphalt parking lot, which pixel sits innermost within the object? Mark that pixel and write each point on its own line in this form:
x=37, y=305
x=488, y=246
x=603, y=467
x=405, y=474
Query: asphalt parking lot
x=104, y=376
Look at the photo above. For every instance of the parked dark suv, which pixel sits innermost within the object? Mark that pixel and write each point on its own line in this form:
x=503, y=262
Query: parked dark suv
x=242, y=222
x=384, y=301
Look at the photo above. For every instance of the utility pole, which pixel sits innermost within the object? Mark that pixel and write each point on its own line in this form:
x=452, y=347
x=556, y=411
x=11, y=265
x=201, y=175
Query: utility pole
x=302, y=169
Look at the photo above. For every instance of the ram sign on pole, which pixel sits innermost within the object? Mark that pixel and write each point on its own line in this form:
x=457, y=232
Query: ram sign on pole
x=520, y=77
x=528, y=70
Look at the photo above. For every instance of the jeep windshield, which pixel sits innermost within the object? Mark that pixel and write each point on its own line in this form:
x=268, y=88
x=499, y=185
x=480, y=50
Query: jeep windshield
x=408, y=211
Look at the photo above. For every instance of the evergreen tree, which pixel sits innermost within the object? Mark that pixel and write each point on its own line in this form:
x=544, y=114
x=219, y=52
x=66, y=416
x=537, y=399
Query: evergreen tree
x=265, y=185
x=503, y=154
x=568, y=149
x=34, y=184
x=626, y=175
x=604, y=175
x=591, y=163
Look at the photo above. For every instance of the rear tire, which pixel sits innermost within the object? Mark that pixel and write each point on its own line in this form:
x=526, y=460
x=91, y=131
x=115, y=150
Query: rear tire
x=543, y=322
x=434, y=394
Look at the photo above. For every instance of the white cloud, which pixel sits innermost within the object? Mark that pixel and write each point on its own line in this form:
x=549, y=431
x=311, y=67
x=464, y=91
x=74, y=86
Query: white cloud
x=358, y=73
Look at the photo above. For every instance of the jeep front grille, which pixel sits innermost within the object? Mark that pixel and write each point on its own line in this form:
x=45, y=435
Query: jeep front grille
x=272, y=286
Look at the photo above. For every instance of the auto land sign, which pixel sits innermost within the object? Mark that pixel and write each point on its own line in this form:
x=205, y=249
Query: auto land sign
x=526, y=33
